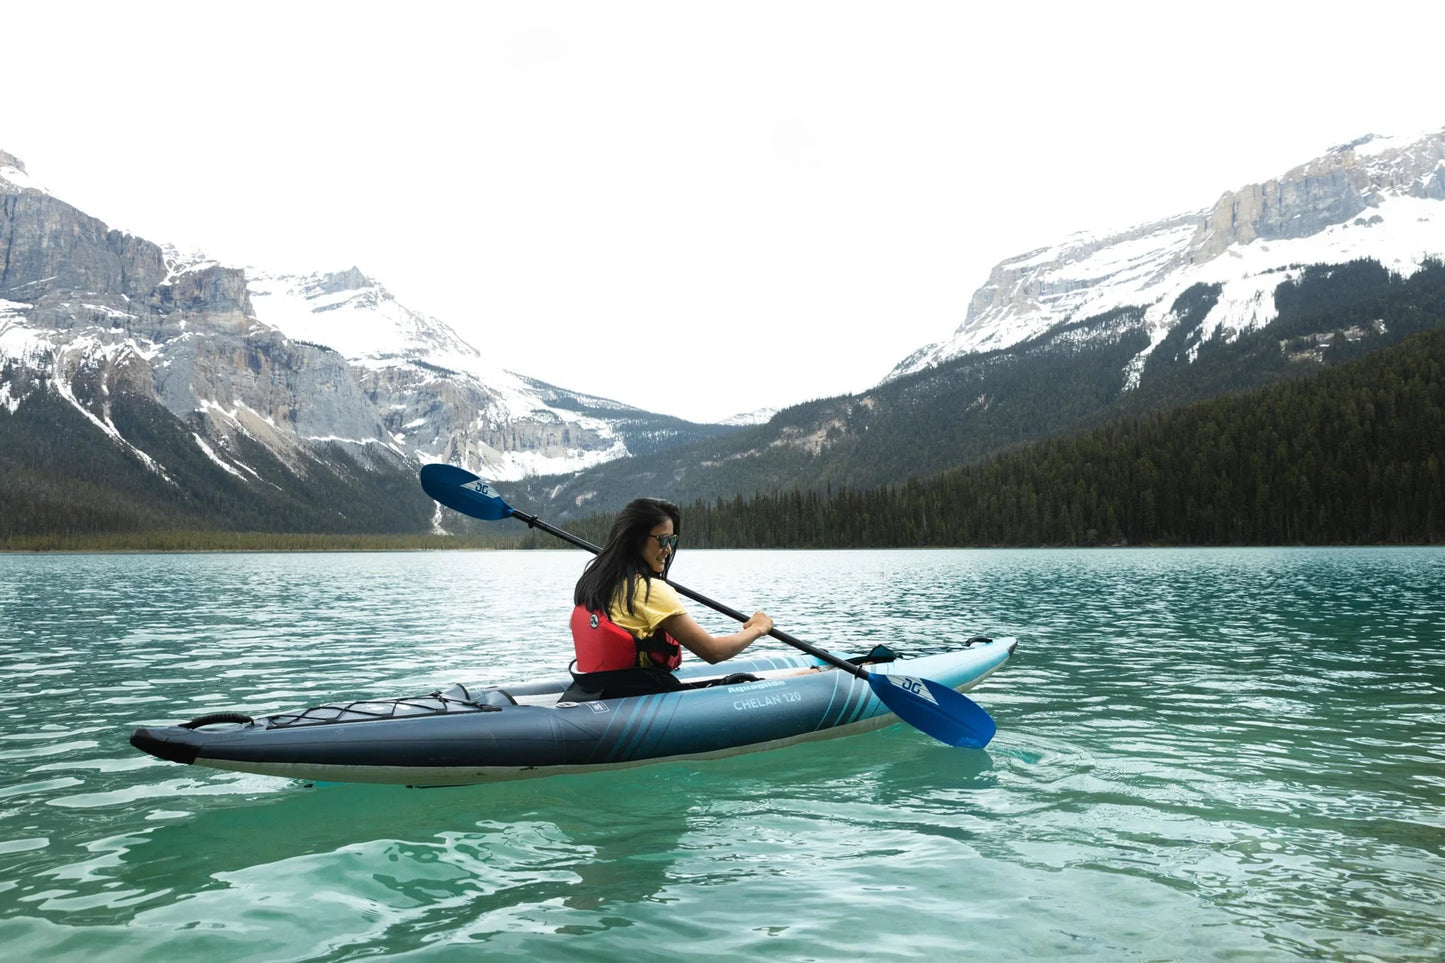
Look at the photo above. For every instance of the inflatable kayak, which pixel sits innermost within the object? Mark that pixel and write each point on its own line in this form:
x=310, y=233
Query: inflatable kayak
x=461, y=736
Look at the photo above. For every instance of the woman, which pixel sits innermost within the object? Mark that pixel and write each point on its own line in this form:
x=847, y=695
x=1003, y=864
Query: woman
x=629, y=625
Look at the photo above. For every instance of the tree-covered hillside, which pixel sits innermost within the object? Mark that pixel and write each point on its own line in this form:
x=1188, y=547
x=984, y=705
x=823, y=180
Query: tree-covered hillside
x=1353, y=455
x=61, y=475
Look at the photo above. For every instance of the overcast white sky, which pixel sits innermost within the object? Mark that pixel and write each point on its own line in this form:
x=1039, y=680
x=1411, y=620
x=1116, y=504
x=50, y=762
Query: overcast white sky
x=697, y=208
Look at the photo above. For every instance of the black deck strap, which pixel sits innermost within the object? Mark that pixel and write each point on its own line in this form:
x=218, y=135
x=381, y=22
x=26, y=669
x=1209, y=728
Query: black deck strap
x=737, y=678
x=493, y=698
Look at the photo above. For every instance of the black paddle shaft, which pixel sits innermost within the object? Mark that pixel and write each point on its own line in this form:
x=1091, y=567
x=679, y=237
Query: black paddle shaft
x=534, y=522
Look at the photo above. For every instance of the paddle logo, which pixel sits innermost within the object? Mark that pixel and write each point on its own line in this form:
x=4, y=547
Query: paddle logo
x=915, y=686
x=481, y=488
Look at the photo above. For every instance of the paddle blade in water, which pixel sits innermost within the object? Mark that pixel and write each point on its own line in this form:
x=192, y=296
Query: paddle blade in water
x=946, y=715
x=460, y=490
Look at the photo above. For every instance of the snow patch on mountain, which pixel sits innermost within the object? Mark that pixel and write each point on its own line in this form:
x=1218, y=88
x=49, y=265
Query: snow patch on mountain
x=13, y=177
x=354, y=315
x=760, y=416
x=1400, y=233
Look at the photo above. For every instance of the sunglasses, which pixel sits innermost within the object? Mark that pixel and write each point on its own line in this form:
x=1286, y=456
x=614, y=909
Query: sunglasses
x=665, y=541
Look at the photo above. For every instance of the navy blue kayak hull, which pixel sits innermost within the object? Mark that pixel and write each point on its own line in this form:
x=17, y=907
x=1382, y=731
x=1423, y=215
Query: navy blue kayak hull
x=456, y=742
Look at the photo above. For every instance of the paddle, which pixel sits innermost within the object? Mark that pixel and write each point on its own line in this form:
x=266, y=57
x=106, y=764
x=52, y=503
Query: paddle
x=932, y=707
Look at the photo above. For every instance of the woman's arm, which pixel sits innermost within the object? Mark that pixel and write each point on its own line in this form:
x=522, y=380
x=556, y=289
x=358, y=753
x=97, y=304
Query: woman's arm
x=715, y=648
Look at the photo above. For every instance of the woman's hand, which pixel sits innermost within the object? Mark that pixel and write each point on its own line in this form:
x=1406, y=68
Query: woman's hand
x=762, y=622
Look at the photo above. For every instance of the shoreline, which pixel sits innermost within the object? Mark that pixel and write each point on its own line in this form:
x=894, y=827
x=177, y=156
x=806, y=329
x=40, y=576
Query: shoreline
x=189, y=543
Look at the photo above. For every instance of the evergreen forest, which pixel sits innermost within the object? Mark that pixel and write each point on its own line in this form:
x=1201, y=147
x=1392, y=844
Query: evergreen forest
x=1349, y=456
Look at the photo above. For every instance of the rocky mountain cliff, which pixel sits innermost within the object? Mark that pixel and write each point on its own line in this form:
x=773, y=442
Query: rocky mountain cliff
x=293, y=370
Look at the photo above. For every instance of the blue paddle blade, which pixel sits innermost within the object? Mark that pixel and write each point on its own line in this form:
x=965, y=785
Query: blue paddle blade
x=948, y=716
x=460, y=490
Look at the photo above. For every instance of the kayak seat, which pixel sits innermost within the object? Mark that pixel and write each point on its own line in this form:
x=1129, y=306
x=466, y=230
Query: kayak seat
x=880, y=653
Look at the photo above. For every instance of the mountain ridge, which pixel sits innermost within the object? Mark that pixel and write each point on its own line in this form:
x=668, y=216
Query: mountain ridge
x=1310, y=214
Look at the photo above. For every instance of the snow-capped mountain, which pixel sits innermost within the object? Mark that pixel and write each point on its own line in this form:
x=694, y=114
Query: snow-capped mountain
x=1376, y=197
x=437, y=394
x=294, y=364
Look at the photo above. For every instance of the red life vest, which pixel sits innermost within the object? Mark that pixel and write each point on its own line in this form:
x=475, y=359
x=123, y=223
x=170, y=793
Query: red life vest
x=603, y=645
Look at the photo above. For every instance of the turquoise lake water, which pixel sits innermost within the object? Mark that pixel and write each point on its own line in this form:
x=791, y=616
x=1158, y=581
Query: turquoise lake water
x=1201, y=755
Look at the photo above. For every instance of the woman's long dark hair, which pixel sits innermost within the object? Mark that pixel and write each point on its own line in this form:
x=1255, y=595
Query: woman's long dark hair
x=621, y=556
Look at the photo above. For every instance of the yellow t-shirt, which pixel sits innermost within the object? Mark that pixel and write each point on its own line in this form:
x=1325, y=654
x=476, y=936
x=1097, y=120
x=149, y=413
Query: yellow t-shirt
x=654, y=603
